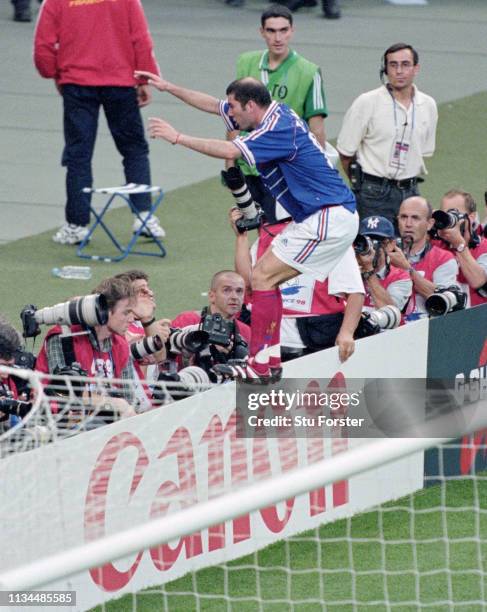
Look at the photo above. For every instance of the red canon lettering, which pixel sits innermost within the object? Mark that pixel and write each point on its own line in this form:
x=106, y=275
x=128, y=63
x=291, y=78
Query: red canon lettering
x=215, y=435
x=185, y=494
x=108, y=577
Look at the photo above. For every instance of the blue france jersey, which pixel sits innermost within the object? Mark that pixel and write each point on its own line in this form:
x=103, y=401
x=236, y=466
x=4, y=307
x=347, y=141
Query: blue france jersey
x=291, y=162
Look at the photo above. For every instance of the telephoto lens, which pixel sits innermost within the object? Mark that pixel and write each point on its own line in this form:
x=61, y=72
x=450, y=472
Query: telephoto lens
x=146, y=346
x=190, y=338
x=362, y=245
x=387, y=317
x=445, y=300
x=88, y=310
x=445, y=220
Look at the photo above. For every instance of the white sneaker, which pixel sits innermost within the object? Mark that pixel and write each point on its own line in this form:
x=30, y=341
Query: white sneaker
x=70, y=234
x=152, y=229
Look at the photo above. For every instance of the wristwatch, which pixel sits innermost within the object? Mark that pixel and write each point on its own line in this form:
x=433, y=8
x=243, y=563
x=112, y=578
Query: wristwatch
x=367, y=275
x=460, y=248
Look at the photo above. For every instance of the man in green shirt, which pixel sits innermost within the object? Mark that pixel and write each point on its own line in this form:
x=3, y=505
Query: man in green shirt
x=291, y=79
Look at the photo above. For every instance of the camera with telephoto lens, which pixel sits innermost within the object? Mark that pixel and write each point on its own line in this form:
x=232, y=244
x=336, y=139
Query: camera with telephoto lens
x=190, y=338
x=11, y=406
x=186, y=382
x=234, y=179
x=363, y=245
x=445, y=300
x=371, y=323
x=88, y=311
x=447, y=220
x=146, y=346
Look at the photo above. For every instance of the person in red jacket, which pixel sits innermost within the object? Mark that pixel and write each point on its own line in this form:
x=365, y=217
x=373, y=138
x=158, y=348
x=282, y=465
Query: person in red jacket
x=91, y=50
x=469, y=248
x=429, y=266
x=102, y=351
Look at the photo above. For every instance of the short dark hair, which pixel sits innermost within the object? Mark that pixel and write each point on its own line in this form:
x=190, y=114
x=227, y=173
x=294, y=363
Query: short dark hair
x=115, y=289
x=133, y=275
x=470, y=203
x=218, y=275
x=9, y=340
x=276, y=10
x=247, y=89
x=399, y=47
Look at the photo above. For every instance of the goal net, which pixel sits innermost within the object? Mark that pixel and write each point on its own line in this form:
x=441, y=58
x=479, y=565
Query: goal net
x=179, y=509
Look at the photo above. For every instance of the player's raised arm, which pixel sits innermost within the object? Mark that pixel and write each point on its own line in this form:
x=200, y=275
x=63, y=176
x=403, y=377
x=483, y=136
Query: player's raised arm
x=198, y=99
x=222, y=149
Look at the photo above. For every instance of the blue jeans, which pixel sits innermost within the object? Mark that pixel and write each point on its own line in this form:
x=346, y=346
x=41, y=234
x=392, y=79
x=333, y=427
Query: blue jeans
x=81, y=110
x=382, y=199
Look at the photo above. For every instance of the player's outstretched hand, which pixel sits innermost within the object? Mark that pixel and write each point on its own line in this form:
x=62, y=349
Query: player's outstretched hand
x=152, y=79
x=158, y=128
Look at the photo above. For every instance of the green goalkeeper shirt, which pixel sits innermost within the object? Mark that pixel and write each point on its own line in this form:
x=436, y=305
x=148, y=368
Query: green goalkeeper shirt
x=296, y=82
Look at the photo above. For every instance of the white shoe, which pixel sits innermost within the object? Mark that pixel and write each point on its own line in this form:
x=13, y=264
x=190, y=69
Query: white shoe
x=70, y=234
x=152, y=229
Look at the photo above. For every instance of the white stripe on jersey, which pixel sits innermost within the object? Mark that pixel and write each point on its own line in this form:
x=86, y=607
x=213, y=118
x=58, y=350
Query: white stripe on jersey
x=267, y=127
x=246, y=152
x=282, y=193
x=276, y=183
x=318, y=101
x=270, y=173
x=225, y=117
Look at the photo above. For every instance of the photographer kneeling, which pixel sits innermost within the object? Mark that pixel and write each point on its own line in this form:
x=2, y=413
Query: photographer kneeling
x=101, y=349
x=385, y=284
x=429, y=267
x=456, y=225
x=228, y=336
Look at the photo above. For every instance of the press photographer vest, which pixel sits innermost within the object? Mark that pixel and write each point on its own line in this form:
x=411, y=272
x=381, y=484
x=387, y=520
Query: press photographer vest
x=85, y=354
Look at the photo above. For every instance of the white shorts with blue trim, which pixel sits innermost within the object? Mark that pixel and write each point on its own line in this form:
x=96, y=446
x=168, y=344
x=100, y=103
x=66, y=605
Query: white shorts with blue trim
x=318, y=243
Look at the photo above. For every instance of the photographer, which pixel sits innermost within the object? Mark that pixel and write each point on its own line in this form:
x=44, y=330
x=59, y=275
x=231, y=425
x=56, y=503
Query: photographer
x=428, y=266
x=385, y=284
x=464, y=241
x=145, y=323
x=102, y=350
x=145, y=326
x=10, y=344
x=316, y=315
x=225, y=298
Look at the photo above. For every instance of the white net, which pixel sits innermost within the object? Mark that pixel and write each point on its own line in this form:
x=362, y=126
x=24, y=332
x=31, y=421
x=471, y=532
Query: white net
x=80, y=466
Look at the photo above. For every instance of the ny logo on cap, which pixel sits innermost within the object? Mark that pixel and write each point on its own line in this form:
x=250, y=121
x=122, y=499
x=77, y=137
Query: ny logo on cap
x=373, y=222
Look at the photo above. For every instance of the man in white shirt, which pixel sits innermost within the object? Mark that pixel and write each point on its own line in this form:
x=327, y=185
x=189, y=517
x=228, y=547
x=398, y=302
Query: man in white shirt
x=385, y=135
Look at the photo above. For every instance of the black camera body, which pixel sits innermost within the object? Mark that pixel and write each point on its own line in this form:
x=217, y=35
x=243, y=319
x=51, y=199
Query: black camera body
x=219, y=330
x=31, y=328
x=11, y=406
x=60, y=388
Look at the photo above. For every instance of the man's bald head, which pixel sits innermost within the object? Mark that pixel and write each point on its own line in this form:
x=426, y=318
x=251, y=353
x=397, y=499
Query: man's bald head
x=417, y=204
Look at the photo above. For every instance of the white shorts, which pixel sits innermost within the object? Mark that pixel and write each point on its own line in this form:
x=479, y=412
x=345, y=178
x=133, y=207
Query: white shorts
x=318, y=243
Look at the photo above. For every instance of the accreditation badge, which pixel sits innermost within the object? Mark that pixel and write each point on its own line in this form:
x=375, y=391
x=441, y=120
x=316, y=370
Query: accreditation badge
x=400, y=150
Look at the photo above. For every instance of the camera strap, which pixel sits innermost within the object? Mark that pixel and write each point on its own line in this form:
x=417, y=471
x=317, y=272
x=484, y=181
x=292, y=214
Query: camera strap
x=67, y=345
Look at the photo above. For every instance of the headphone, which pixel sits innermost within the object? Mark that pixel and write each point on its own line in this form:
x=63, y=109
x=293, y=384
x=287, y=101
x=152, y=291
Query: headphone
x=393, y=49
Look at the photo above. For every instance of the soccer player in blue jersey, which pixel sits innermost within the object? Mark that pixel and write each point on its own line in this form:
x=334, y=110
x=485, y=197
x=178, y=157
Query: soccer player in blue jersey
x=294, y=167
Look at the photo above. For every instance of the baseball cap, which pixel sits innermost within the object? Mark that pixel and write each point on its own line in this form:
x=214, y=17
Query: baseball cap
x=377, y=226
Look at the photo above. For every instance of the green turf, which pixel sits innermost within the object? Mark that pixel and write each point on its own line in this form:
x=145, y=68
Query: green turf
x=199, y=240
x=445, y=556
